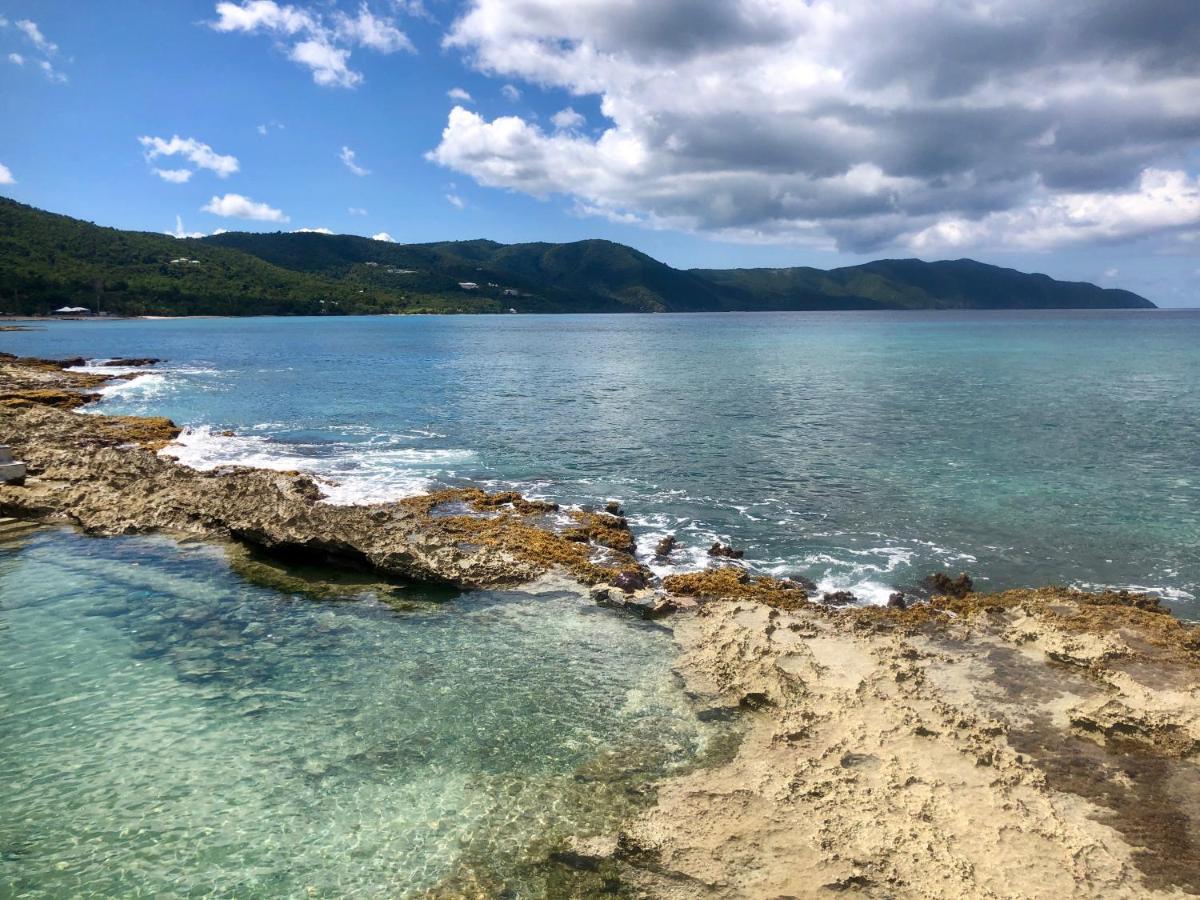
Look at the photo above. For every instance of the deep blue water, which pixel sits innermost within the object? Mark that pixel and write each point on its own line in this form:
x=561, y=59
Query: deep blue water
x=859, y=449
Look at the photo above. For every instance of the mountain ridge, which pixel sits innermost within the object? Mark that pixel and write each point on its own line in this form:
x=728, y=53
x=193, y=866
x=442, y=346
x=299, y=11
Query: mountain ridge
x=49, y=260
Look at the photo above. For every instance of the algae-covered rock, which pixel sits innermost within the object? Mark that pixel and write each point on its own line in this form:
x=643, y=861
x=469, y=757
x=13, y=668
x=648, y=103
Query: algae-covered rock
x=731, y=583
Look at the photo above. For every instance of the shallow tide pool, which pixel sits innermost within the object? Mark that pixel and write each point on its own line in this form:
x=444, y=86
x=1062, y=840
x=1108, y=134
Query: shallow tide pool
x=170, y=727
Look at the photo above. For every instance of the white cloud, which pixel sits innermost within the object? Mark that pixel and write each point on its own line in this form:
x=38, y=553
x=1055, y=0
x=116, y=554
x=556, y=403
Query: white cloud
x=1163, y=200
x=859, y=124
x=356, y=211
x=456, y=201
x=175, y=176
x=238, y=207
x=511, y=92
x=181, y=232
x=35, y=36
x=312, y=231
x=197, y=153
x=372, y=32
x=1111, y=273
x=46, y=47
x=347, y=156
x=6, y=175
x=255, y=15
x=262, y=129
x=383, y=236
x=321, y=41
x=328, y=63
x=567, y=120
x=266, y=127
x=459, y=94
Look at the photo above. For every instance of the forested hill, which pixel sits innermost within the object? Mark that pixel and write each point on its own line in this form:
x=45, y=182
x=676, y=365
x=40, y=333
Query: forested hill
x=48, y=261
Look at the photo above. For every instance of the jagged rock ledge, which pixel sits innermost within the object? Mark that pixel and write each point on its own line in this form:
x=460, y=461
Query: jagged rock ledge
x=103, y=474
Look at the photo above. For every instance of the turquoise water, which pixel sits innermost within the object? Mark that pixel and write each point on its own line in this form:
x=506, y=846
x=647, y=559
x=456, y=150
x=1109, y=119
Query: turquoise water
x=179, y=721
x=861, y=450
x=170, y=728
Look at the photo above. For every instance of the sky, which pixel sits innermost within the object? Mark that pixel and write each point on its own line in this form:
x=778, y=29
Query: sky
x=1057, y=137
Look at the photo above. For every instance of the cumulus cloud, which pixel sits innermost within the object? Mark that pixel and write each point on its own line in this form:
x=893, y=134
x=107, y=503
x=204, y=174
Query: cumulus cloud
x=238, y=207
x=1161, y=201
x=196, y=152
x=316, y=38
x=511, y=92
x=16, y=59
x=567, y=120
x=327, y=62
x=383, y=236
x=6, y=175
x=313, y=231
x=347, y=156
x=458, y=94
x=856, y=124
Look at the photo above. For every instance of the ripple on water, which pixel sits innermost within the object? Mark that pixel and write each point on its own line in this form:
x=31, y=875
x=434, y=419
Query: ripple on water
x=168, y=728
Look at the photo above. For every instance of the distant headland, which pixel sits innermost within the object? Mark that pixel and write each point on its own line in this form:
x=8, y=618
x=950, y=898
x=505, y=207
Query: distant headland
x=52, y=262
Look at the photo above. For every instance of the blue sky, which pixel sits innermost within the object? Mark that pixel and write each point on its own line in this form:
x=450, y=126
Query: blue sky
x=725, y=133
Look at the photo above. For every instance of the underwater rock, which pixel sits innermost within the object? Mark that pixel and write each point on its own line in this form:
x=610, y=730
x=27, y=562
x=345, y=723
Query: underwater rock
x=629, y=581
x=586, y=853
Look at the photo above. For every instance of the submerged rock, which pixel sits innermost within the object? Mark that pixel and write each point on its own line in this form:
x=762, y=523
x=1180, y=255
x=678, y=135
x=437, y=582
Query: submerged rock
x=629, y=581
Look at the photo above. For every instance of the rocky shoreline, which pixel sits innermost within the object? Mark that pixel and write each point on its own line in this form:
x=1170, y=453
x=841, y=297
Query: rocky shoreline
x=1022, y=744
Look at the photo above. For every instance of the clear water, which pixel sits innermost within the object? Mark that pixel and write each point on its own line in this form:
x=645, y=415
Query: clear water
x=859, y=449
x=170, y=728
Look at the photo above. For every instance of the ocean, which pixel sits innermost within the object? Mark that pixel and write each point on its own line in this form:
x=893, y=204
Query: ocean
x=173, y=721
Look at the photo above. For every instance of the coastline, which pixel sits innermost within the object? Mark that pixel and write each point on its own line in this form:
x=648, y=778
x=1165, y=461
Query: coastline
x=978, y=745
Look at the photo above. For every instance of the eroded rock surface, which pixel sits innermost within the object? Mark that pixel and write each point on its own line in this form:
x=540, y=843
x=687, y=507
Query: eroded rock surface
x=1027, y=744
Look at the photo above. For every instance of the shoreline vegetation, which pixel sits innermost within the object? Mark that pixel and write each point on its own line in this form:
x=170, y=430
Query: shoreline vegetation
x=952, y=744
x=50, y=262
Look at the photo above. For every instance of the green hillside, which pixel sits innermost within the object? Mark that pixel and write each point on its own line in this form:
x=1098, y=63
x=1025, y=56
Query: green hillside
x=913, y=284
x=48, y=261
